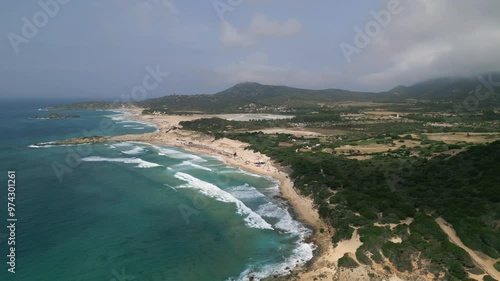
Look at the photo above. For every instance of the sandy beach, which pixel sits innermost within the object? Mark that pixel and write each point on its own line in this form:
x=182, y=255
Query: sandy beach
x=323, y=266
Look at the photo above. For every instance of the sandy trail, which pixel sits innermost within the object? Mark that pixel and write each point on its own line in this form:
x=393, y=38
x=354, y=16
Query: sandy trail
x=348, y=247
x=482, y=261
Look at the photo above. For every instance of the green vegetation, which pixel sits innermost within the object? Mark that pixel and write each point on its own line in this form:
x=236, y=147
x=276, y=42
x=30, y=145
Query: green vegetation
x=351, y=193
x=428, y=239
x=254, y=97
x=218, y=127
x=497, y=266
x=395, y=194
x=318, y=117
x=476, y=270
x=347, y=262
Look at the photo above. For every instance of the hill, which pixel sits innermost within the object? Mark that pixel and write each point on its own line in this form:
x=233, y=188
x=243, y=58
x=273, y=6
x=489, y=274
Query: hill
x=252, y=97
x=445, y=88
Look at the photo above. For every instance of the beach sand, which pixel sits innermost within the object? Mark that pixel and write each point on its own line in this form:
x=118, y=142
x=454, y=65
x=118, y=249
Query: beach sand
x=323, y=265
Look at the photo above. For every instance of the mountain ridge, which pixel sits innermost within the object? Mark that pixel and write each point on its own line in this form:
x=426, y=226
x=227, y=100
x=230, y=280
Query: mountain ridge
x=256, y=95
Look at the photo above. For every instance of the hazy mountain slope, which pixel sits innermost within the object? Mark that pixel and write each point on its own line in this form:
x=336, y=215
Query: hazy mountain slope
x=248, y=93
x=251, y=94
x=448, y=88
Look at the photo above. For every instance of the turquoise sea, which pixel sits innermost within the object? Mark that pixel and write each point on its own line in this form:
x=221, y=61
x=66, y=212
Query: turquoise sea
x=134, y=211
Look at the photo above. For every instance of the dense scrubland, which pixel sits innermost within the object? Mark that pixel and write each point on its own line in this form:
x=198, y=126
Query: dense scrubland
x=385, y=164
x=389, y=188
x=393, y=196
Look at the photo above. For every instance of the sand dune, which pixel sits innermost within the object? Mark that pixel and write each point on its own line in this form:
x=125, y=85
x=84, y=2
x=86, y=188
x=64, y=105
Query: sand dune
x=481, y=260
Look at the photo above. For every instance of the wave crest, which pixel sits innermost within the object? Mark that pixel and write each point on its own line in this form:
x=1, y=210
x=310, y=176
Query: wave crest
x=252, y=219
x=140, y=163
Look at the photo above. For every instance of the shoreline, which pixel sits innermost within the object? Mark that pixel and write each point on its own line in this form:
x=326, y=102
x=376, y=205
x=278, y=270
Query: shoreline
x=324, y=263
x=234, y=153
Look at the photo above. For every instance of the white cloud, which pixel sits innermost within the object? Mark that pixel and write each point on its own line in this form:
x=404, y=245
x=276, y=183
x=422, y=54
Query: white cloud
x=434, y=38
x=152, y=10
x=260, y=27
x=418, y=58
x=170, y=5
x=230, y=36
x=257, y=68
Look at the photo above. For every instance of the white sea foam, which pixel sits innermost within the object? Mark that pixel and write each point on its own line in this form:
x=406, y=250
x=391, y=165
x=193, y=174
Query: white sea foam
x=252, y=219
x=239, y=171
x=300, y=255
x=285, y=221
x=122, y=144
x=42, y=145
x=140, y=163
x=121, y=119
x=51, y=144
x=119, y=111
x=245, y=192
x=133, y=151
x=168, y=185
x=193, y=165
x=273, y=190
x=175, y=154
x=142, y=123
x=117, y=117
x=130, y=126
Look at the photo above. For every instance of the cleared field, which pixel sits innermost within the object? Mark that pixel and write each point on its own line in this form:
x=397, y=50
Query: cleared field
x=369, y=147
x=382, y=113
x=452, y=138
x=295, y=132
x=173, y=120
x=361, y=103
x=248, y=117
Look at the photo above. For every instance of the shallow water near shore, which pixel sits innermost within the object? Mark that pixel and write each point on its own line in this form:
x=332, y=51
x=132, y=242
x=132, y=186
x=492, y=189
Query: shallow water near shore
x=135, y=210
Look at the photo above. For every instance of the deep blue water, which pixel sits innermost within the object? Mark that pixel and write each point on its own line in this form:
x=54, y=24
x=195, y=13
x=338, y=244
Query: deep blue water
x=118, y=211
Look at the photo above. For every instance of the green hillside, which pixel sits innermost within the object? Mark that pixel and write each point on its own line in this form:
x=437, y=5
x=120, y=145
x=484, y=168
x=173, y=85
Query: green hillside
x=448, y=88
x=252, y=97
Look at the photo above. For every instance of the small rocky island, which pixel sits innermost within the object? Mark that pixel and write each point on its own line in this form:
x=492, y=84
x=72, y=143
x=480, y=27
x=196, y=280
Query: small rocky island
x=55, y=116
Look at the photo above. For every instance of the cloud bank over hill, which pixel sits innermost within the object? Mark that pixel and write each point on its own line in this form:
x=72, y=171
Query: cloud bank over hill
x=100, y=49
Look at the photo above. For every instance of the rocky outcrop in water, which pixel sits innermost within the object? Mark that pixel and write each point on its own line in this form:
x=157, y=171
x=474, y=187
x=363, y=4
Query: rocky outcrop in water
x=55, y=116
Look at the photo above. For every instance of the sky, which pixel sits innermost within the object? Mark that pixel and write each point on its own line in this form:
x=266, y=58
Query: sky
x=149, y=48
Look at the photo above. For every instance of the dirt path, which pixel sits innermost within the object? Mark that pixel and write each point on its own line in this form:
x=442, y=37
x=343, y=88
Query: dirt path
x=482, y=261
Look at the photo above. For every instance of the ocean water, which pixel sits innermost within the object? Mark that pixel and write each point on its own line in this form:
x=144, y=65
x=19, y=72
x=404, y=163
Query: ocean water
x=135, y=211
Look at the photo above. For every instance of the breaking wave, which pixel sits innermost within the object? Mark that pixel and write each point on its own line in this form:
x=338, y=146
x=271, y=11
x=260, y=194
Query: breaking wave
x=251, y=218
x=140, y=163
